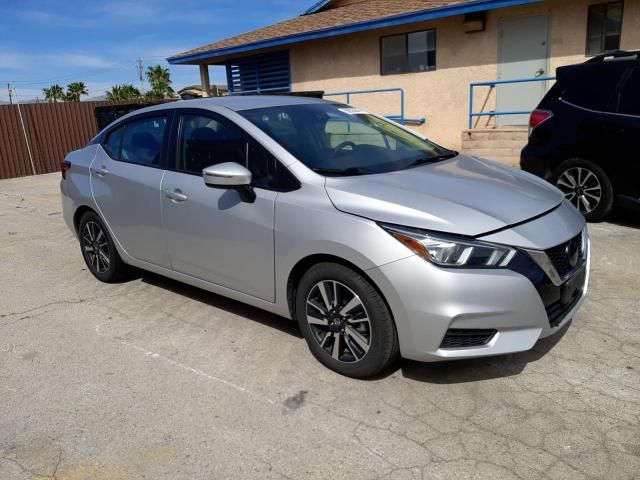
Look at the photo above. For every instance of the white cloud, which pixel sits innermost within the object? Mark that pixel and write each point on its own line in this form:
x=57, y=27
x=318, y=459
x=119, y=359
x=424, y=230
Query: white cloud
x=14, y=61
x=78, y=60
x=55, y=20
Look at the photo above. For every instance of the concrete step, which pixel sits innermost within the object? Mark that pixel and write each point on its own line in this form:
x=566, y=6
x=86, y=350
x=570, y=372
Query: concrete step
x=500, y=144
x=477, y=143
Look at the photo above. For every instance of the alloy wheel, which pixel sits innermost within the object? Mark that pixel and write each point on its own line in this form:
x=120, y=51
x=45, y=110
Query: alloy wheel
x=339, y=321
x=94, y=243
x=582, y=188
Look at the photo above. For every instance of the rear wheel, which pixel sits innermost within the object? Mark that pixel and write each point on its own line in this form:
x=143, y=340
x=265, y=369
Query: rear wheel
x=345, y=321
x=99, y=251
x=586, y=186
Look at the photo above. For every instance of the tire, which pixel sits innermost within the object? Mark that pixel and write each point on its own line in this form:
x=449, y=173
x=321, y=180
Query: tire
x=107, y=266
x=591, y=193
x=365, y=347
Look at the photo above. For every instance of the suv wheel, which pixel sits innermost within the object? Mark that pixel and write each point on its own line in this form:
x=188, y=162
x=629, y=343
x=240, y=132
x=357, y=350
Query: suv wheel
x=586, y=186
x=345, y=321
x=99, y=251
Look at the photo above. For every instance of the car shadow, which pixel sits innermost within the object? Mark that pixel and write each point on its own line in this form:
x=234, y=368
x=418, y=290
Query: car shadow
x=624, y=218
x=479, y=369
x=223, y=303
x=450, y=372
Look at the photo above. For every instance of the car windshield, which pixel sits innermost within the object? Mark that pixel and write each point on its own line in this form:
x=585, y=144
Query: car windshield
x=338, y=140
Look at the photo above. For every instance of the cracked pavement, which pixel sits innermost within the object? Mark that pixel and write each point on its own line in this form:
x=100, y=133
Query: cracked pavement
x=155, y=379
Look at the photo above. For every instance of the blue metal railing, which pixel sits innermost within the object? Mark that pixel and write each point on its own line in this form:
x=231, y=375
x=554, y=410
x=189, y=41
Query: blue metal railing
x=492, y=84
x=397, y=118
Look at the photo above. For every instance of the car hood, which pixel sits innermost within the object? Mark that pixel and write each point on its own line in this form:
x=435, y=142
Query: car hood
x=462, y=195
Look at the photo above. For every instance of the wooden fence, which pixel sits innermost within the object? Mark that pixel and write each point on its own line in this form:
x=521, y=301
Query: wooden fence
x=52, y=131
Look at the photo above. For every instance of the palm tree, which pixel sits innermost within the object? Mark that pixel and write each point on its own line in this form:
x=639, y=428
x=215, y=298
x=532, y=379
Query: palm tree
x=123, y=92
x=75, y=90
x=160, y=81
x=54, y=93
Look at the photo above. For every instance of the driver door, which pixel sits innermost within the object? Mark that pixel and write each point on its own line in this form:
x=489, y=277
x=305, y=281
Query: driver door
x=212, y=233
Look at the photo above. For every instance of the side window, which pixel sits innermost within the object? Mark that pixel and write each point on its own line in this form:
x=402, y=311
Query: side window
x=630, y=97
x=142, y=141
x=593, y=86
x=408, y=52
x=262, y=166
x=206, y=141
x=209, y=140
x=112, y=145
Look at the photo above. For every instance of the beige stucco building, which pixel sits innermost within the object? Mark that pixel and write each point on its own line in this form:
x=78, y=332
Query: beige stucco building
x=432, y=50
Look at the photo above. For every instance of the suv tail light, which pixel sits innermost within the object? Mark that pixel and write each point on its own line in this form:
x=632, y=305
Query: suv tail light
x=537, y=118
x=64, y=166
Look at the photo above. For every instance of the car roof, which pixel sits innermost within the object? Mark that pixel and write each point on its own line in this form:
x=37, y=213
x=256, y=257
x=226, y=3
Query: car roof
x=232, y=102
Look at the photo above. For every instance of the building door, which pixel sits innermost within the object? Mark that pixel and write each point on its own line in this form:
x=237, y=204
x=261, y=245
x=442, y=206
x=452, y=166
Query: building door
x=523, y=53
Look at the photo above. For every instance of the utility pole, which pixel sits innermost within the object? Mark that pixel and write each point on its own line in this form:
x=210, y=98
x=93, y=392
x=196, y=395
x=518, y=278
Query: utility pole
x=140, y=74
x=10, y=93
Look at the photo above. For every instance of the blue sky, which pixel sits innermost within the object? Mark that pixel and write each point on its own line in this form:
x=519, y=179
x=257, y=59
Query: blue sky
x=56, y=41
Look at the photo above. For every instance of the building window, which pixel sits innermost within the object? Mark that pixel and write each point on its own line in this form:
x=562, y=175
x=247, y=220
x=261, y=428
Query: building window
x=604, y=28
x=407, y=53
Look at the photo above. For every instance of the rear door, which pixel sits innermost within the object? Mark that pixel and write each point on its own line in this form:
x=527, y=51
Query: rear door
x=590, y=92
x=629, y=120
x=125, y=179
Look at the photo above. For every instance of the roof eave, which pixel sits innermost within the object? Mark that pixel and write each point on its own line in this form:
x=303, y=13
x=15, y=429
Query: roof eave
x=405, y=18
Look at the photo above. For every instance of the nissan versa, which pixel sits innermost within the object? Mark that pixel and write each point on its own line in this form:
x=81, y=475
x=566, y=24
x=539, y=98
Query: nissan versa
x=377, y=241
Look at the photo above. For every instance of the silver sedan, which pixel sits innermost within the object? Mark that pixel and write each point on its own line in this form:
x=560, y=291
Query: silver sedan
x=378, y=242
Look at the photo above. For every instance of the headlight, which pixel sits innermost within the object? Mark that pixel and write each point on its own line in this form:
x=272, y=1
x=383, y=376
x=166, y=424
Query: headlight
x=450, y=251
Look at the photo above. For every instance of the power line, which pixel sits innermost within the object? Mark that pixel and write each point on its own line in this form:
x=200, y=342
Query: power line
x=137, y=63
x=71, y=76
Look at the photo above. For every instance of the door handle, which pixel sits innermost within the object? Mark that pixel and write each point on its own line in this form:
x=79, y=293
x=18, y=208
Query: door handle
x=101, y=172
x=176, y=195
x=540, y=72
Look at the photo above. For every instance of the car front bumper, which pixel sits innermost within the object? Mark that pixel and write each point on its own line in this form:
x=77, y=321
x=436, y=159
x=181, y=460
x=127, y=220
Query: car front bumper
x=427, y=302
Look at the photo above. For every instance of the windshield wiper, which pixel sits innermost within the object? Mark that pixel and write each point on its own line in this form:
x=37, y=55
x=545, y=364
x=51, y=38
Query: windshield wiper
x=437, y=158
x=342, y=172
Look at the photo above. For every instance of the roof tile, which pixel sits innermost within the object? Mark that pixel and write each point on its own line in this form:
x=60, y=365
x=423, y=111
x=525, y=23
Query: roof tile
x=361, y=11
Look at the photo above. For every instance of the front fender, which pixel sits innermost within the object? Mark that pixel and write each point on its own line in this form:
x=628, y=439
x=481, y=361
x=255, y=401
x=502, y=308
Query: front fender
x=307, y=223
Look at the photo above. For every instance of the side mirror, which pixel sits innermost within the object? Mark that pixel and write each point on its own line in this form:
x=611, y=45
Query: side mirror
x=230, y=175
x=226, y=175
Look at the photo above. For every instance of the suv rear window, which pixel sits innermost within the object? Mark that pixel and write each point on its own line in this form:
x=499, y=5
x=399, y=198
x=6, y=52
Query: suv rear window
x=592, y=86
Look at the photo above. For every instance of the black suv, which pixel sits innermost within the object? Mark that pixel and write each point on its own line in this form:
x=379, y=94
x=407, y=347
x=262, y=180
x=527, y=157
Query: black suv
x=584, y=137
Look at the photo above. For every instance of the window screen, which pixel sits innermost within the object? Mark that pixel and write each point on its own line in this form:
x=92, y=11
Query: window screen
x=409, y=52
x=604, y=28
x=630, y=98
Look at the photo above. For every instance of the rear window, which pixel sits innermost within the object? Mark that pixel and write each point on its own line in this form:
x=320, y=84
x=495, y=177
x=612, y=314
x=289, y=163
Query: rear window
x=592, y=86
x=142, y=141
x=112, y=145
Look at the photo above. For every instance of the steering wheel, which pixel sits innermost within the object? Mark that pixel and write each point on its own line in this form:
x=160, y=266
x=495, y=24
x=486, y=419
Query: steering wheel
x=343, y=145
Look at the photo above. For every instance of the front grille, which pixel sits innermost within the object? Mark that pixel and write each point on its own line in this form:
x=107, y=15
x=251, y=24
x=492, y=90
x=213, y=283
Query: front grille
x=557, y=311
x=557, y=300
x=559, y=257
x=459, y=338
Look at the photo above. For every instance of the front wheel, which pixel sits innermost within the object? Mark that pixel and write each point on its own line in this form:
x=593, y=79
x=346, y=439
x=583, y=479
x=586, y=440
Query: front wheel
x=586, y=186
x=345, y=321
